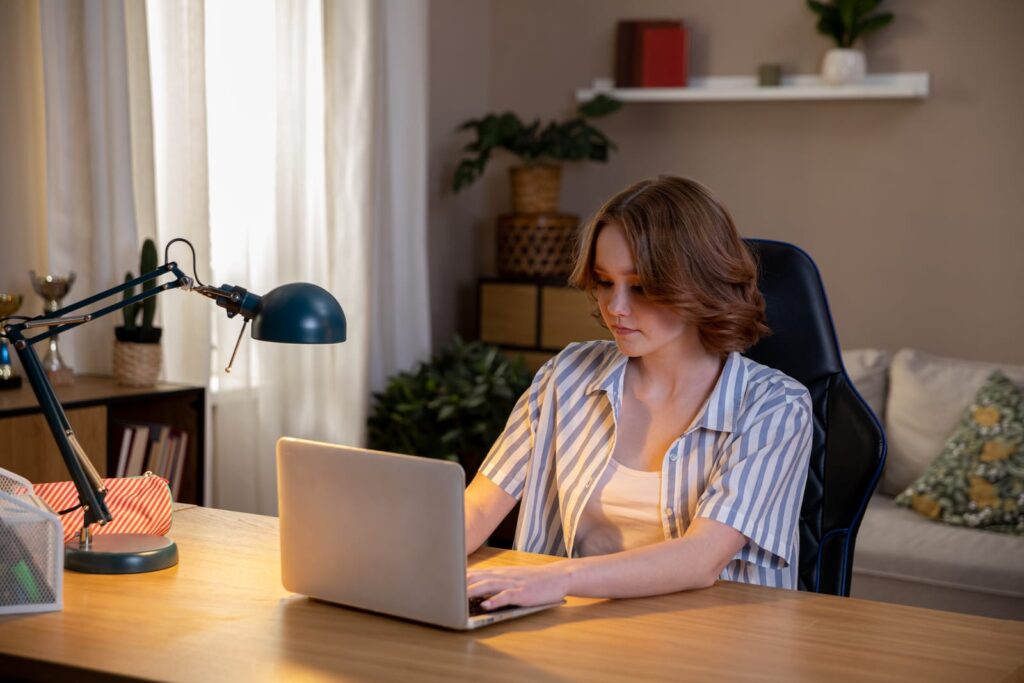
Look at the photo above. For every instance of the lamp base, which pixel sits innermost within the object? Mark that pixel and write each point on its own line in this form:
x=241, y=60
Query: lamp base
x=121, y=554
x=12, y=382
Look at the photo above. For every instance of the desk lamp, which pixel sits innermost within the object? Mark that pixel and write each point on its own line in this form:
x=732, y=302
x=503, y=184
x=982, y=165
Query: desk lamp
x=295, y=313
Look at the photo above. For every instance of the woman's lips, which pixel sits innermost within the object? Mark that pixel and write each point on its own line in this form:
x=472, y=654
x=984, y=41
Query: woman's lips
x=622, y=331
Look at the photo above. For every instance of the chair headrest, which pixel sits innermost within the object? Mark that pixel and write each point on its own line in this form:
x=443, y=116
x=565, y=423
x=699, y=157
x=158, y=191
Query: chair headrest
x=803, y=342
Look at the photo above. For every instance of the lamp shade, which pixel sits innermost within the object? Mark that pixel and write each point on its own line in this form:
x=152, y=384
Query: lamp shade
x=299, y=313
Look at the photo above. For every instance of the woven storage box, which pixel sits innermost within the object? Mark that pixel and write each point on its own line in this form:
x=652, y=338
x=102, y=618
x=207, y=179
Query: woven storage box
x=535, y=189
x=136, y=365
x=536, y=245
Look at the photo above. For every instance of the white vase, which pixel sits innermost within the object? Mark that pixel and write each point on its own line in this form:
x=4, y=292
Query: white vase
x=843, y=66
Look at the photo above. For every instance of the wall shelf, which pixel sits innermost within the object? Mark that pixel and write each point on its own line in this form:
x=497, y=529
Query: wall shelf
x=746, y=89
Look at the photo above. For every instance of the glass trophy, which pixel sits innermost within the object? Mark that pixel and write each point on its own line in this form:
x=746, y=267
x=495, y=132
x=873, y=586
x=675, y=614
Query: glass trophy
x=53, y=289
x=9, y=305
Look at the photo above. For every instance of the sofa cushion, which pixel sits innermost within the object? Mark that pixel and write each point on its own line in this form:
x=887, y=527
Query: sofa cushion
x=894, y=542
x=978, y=479
x=868, y=369
x=926, y=397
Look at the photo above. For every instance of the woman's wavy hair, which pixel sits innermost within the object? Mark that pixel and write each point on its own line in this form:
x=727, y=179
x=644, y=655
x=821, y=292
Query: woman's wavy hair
x=688, y=256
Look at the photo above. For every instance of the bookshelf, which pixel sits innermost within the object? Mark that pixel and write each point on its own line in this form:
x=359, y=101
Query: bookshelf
x=95, y=405
x=746, y=89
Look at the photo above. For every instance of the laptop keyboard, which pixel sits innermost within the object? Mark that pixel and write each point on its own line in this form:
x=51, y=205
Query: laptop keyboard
x=475, y=608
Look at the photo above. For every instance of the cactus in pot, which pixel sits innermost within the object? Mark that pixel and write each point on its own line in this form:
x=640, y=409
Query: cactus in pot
x=137, y=352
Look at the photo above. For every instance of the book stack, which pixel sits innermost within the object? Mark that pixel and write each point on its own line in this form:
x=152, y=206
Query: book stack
x=149, y=447
x=651, y=54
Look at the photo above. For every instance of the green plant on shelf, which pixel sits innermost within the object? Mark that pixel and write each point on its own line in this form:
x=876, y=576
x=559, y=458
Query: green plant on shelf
x=847, y=20
x=452, y=407
x=134, y=330
x=571, y=140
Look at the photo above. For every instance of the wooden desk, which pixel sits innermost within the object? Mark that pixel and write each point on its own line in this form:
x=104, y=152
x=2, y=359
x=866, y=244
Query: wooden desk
x=221, y=615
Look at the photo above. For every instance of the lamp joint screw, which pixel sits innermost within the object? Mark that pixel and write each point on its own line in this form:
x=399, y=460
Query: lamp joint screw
x=20, y=344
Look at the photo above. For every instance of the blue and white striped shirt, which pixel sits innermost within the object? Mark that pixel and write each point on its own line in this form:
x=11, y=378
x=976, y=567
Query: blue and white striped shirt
x=743, y=461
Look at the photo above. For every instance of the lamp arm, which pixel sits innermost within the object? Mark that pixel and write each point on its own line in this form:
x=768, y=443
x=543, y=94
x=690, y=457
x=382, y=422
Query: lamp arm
x=58, y=326
x=91, y=492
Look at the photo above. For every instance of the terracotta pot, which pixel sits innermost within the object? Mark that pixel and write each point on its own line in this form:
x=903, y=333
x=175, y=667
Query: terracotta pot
x=137, y=365
x=535, y=188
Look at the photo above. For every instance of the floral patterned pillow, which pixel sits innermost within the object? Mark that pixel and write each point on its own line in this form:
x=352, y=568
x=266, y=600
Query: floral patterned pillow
x=978, y=479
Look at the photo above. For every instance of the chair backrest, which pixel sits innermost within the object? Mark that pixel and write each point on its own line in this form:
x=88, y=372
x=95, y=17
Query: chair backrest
x=848, y=448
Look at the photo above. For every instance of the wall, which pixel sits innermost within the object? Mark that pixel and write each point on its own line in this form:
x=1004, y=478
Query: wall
x=912, y=208
x=459, y=54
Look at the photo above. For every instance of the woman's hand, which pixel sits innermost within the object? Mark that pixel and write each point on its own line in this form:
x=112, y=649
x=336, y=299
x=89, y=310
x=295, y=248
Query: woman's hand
x=522, y=586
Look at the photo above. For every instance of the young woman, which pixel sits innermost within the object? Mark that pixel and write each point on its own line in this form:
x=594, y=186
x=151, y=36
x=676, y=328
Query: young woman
x=665, y=460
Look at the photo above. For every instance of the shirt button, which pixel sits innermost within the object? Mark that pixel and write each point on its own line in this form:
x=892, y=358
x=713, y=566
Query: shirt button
x=668, y=512
x=674, y=456
x=590, y=482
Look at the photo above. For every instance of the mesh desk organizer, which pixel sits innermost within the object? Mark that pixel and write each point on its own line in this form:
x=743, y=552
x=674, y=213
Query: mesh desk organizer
x=31, y=550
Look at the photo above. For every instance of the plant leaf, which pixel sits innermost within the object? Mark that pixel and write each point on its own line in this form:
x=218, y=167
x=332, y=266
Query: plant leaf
x=820, y=8
x=870, y=24
x=831, y=25
x=602, y=105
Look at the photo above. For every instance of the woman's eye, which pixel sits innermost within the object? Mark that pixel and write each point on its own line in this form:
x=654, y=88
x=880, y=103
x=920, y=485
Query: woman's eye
x=604, y=284
x=638, y=289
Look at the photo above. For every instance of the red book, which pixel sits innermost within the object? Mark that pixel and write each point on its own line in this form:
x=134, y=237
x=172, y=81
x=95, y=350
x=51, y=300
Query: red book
x=663, y=56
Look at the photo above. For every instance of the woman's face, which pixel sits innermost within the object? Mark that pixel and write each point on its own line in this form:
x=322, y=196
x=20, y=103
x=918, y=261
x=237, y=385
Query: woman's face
x=640, y=327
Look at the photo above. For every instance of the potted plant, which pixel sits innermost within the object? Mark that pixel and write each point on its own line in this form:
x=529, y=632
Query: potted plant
x=137, y=351
x=845, y=21
x=453, y=406
x=537, y=181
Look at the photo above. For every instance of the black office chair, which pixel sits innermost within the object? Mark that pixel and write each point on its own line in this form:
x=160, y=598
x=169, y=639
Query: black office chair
x=848, y=448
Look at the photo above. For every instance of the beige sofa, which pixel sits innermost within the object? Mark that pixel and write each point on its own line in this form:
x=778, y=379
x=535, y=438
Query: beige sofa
x=900, y=555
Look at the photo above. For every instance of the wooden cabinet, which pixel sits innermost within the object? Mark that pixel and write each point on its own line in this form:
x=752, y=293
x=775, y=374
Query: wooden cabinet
x=94, y=405
x=535, y=319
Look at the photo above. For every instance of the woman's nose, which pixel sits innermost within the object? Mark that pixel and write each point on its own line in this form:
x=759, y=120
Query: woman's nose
x=619, y=304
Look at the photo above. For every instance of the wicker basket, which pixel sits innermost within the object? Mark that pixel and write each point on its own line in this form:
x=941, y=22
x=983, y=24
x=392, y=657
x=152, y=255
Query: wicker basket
x=535, y=189
x=536, y=244
x=137, y=365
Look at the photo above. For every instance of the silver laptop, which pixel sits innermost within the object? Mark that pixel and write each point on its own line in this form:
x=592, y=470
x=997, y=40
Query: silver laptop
x=377, y=531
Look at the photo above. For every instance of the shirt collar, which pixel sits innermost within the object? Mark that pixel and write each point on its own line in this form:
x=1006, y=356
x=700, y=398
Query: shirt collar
x=722, y=407
x=609, y=376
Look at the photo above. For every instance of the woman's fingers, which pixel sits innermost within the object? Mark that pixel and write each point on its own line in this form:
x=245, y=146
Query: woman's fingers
x=478, y=589
x=517, y=585
x=502, y=598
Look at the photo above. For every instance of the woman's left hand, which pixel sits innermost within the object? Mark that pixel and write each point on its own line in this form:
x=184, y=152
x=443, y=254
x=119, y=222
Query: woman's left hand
x=522, y=586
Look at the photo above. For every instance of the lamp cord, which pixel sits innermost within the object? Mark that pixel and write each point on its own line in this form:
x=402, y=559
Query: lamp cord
x=167, y=249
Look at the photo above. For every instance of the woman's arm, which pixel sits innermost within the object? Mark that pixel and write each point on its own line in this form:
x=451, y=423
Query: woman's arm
x=486, y=505
x=693, y=561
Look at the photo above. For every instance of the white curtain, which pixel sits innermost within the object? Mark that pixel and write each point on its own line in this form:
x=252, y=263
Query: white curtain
x=90, y=210
x=287, y=141
x=301, y=188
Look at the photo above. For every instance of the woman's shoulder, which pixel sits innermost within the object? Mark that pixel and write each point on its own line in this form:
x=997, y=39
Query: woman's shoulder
x=594, y=358
x=602, y=349
x=768, y=389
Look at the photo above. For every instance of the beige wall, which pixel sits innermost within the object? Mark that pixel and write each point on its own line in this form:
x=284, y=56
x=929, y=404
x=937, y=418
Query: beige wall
x=914, y=210
x=459, y=44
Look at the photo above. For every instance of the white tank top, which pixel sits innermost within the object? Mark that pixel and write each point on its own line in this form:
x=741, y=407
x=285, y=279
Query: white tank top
x=622, y=512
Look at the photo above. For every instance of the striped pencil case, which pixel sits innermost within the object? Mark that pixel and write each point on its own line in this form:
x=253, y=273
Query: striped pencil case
x=139, y=505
